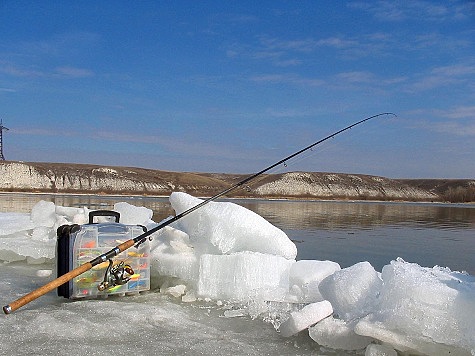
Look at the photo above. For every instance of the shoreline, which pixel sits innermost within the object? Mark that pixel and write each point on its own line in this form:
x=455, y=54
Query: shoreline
x=81, y=179
x=269, y=199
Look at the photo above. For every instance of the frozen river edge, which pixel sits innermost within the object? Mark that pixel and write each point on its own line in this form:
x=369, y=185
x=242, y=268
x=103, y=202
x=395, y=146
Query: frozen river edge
x=377, y=295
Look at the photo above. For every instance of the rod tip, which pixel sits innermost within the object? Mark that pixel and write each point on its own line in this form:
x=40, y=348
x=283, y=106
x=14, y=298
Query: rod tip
x=7, y=309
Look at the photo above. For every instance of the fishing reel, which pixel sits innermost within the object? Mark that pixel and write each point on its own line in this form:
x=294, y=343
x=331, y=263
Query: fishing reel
x=117, y=275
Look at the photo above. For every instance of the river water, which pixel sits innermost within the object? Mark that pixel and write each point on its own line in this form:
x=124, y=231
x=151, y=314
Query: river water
x=341, y=231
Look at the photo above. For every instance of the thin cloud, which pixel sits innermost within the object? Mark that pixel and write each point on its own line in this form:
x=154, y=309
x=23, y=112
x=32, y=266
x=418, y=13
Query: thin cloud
x=299, y=51
x=288, y=62
x=177, y=145
x=57, y=45
x=288, y=113
x=454, y=70
x=292, y=79
x=338, y=42
x=72, y=72
x=59, y=72
x=30, y=59
x=445, y=76
x=121, y=137
x=365, y=79
x=242, y=18
x=396, y=11
x=357, y=77
x=460, y=112
x=111, y=136
x=299, y=45
x=459, y=121
x=8, y=90
x=343, y=80
x=306, y=45
x=42, y=132
x=431, y=82
x=22, y=72
x=431, y=41
x=168, y=145
x=455, y=128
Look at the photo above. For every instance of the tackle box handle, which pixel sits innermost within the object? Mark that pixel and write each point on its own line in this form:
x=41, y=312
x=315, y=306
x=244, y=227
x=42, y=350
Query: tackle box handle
x=95, y=213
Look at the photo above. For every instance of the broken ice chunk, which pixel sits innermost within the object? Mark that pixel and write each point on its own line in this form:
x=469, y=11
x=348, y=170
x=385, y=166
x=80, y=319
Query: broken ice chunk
x=419, y=308
x=337, y=334
x=43, y=214
x=132, y=215
x=305, y=317
x=352, y=290
x=306, y=275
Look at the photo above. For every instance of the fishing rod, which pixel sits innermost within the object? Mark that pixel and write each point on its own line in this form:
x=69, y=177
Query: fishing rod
x=7, y=309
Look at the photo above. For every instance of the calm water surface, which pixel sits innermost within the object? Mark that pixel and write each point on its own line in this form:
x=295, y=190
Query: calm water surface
x=345, y=232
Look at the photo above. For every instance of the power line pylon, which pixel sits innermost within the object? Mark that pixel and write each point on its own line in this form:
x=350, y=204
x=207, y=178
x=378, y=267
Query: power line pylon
x=2, y=158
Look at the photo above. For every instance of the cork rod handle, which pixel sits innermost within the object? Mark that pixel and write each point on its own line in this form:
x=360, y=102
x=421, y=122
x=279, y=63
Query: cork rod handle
x=7, y=309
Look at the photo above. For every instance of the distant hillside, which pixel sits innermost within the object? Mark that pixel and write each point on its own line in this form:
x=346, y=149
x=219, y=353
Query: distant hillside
x=453, y=190
x=94, y=179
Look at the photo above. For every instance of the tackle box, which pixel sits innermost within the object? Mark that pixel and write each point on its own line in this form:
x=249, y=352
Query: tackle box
x=126, y=273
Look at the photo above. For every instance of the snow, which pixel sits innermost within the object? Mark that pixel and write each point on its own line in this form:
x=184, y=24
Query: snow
x=225, y=256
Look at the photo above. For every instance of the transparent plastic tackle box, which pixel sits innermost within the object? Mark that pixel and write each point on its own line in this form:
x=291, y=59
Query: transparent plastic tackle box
x=126, y=273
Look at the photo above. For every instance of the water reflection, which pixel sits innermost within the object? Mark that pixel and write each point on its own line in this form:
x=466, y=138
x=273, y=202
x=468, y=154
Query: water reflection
x=350, y=232
x=345, y=232
x=361, y=215
x=23, y=203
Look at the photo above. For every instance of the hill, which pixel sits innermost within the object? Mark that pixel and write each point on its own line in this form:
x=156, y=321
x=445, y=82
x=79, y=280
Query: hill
x=94, y=179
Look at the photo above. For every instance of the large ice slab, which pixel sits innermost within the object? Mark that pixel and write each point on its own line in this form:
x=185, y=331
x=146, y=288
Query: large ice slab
x=244, y=276
x=231, y=228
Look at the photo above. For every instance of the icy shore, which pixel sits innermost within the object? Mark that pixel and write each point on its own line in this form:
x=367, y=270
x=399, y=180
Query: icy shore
x=225, y=254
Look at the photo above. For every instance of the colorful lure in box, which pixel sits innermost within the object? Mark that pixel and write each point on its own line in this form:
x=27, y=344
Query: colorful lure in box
x=127, y=273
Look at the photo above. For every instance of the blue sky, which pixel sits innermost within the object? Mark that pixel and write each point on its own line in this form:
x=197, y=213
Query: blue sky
x=217, y=86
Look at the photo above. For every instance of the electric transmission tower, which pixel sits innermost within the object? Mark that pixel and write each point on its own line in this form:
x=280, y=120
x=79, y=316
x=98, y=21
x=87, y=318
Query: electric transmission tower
x=2, y=158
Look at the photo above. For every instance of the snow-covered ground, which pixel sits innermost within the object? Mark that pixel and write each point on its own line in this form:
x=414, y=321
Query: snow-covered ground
x=225, y=281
